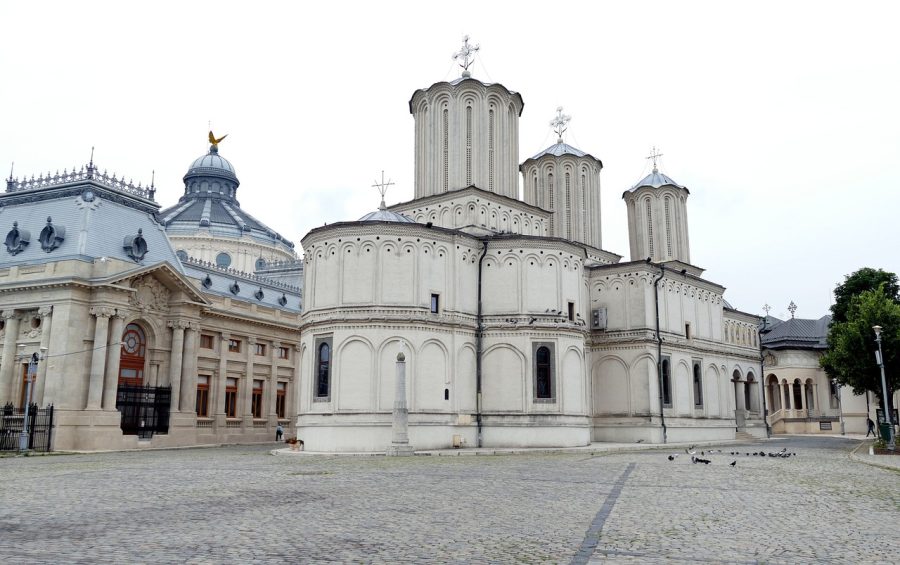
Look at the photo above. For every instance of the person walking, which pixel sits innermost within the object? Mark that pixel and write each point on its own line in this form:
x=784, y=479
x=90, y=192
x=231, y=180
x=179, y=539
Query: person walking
x=871, y=428
x=279, y=432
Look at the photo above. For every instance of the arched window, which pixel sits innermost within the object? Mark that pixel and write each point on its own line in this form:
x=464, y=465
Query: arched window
x=668, y=228
x=543, y=373
x=260, y=264
x=698, y=386
x=649, y=227
x=666, y=383
x=550, y=202
x=468, y=145
x=446, y=148
x=131, y=360
x=323, y=370
x=787, y=395
x=182, y=255
x=798, y=394
x=491, y=149
x=584, y=211
x=568, y=207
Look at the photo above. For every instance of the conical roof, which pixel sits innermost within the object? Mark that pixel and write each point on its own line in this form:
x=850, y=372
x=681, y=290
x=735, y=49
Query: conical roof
x=656, y=179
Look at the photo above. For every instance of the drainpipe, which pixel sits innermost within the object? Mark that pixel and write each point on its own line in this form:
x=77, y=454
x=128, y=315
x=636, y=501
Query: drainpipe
x=662, y=417
x=479, y=336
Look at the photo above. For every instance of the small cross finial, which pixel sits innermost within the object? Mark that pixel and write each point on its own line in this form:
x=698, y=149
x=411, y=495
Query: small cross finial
x=11, y=167
x=466, y=55
x=792, y=308
x=766, y=308
x=654, y=155
x=382, y=189
x=560, y=123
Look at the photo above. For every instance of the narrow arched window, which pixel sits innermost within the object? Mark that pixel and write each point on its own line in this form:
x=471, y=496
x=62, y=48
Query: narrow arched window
x=323, y=370
x=698, y=386
x=666, y=383
x=668, y=228
x=446, y=149
x=468, y=145
x=543, y=377
x=550, y=203
x=491, y=149
x=568, y=207
x=584, y=211
x=649, y=228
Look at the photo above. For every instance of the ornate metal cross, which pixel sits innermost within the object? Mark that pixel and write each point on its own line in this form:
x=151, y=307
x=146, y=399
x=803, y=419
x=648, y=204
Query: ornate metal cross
x=382, y=189
x=560, y=123
x=792, y=308
x=466, y=55
x=766, y=308
x=654, y=154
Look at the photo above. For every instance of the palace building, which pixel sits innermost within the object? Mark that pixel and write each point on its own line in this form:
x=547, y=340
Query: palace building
x=198, y=324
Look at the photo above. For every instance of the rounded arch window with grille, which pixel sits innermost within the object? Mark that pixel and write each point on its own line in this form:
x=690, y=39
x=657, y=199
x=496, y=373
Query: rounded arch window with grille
x=260, y=264
x=131, y=361
x=223, y=259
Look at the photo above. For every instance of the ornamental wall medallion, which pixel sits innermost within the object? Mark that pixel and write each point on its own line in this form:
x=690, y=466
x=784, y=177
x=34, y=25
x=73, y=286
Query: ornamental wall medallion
x=149, y=294
x=51, y=236
x=771, y=360
x=17, y=240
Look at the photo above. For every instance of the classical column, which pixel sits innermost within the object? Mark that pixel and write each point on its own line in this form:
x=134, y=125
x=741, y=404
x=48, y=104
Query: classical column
x=45, y=312
x=786, y=395
x=175, y=359
x=400, y=425
x=7, y=383
x=222, y=375
x=189, y=369
x=293, y=408
x=273, y=383
x=113, y=356
x=248, y=383
x=739, y=395
x=816, y=398
x=98, y=358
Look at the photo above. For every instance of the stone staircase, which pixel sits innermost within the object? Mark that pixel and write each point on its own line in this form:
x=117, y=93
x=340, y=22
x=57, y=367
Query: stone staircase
x=744, y=436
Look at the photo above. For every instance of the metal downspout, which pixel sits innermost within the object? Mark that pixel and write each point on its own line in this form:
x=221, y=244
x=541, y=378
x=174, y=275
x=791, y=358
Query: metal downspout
x=479, y=332
x=662, y=417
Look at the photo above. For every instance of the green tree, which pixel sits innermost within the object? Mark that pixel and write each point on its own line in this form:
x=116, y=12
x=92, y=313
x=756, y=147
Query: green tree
x=850, y=358
x=859, y=281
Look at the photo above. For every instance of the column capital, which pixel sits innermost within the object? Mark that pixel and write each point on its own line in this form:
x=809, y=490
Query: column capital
x=103, y=311
x=226, y=336
x=298, y=347
x=251, y=340
x=45, y=311
x=276, y=345
x=177, y=324
x=8, y=314
x=194, y=326
x=122, y=313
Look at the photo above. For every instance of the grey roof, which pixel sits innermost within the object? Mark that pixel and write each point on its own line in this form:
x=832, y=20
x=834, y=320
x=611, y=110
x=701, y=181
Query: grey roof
x=96, y=224
x=382, y=214
x=209, y=202
x=220, y=282
x=462, y=79
x=559, y=150
x=655, y=179
x=796, y=333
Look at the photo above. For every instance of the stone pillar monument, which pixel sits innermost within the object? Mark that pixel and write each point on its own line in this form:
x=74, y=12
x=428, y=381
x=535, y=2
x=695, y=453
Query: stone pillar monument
x=399, y=429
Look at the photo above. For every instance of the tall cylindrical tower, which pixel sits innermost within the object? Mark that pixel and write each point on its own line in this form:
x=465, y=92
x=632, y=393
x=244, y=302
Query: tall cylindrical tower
x=657, y=219
x=467, y=133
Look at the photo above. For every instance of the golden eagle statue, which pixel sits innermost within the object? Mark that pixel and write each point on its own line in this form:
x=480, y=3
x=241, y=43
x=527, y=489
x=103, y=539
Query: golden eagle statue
x=214, y=141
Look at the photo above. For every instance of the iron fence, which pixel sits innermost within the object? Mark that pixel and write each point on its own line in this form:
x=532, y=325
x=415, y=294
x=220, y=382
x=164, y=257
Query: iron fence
x=145, y=409
x=40, y=427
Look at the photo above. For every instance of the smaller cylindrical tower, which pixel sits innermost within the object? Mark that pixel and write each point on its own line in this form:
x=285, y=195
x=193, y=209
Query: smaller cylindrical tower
x=657, y=219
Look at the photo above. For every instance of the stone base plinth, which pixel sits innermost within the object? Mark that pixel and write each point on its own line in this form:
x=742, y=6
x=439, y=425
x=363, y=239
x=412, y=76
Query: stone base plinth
x=400, y=450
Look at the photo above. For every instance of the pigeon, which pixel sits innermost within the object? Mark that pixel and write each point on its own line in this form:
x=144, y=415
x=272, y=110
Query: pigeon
x=639, y=441
x=672, y=457
x=733, y=463
x=699, y=460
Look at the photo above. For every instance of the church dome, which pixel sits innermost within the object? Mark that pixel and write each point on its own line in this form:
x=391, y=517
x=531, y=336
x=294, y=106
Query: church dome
x=384, y=215
x=212, y=165
x=656, y=179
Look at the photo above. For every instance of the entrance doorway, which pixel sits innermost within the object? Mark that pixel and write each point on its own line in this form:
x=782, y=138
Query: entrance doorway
x=131, y=361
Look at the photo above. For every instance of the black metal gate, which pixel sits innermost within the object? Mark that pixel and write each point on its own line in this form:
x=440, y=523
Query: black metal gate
x=40, y=427
x=145, y=409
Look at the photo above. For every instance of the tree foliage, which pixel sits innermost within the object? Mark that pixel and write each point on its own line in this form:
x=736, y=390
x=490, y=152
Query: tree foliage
x=850, y=358
x=858, y=282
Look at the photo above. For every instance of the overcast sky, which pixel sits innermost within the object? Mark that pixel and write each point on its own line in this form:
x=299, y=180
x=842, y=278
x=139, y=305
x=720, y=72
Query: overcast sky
x=780, y=117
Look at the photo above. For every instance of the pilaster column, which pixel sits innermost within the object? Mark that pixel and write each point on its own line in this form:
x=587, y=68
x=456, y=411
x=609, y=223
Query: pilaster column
x=189, y=369
x=739, y=395
x=11, y=325
x=248, y=383
x=816, y=398
x=273, y=382
x=98, y=357
x=113, y=356
x=292, y=410
x=175, y=359
x=223, y=370
x=45, y=312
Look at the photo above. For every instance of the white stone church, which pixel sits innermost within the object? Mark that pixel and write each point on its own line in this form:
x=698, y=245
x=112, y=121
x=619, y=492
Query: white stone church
x=518, y=328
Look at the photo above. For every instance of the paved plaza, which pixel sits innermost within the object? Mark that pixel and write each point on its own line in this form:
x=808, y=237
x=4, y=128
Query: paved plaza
x=244, y=505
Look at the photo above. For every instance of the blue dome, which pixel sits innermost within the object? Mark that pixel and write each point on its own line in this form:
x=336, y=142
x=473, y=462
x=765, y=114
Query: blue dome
x=212, y=165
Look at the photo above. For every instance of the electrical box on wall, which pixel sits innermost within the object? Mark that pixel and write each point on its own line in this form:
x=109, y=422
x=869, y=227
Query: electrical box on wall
x=598, y=319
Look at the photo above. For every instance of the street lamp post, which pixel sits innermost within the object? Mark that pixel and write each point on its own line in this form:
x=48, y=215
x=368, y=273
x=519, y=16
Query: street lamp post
x=887, y=407
x=29, y=381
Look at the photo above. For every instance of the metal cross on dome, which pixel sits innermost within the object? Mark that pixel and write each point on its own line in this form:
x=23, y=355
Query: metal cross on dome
x=766, y=308
x=560, y=123
x=382, y=189
x=792, y=308
x=466, y=55
x=654, y=154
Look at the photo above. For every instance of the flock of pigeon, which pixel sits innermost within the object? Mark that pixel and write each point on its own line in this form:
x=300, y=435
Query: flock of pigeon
x=783, y=454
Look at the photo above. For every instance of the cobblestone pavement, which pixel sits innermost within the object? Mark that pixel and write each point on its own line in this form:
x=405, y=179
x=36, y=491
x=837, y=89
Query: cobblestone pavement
x=242, y=505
